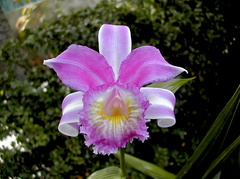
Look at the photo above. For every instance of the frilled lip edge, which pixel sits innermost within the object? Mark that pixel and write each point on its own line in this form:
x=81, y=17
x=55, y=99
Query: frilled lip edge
x=108, y=135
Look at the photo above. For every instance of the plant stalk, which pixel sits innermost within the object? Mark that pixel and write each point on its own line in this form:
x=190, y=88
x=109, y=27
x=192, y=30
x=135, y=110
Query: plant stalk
x=122, y=162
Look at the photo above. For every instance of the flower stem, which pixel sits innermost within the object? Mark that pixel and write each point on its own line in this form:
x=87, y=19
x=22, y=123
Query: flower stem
x=122, y=162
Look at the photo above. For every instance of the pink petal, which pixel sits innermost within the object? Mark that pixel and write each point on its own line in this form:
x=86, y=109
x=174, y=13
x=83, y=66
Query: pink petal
x=81, y=68
x=162, y=106
x=106, y=130
x=146, y=65
x=71, y=106
x=114, y=44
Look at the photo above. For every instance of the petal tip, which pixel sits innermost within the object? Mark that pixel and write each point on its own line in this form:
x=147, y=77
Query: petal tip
x=184, y=70
x=167, y=122
x=46, y=62
x=68, y=130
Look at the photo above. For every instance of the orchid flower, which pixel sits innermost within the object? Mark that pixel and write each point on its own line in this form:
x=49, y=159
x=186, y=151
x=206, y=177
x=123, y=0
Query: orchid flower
x=111, y=106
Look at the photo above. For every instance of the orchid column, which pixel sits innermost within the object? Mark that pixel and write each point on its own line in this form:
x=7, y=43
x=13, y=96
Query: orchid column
x=110, y=106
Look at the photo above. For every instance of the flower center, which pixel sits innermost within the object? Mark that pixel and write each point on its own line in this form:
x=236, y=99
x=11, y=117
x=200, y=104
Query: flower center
x=115, y=105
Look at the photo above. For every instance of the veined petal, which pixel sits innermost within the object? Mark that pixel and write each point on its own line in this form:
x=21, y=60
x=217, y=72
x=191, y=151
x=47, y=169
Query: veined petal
x=71, y=106
x=112, y=116
x=114, y=44
x=146, y=65
x=81, y=68
x=162, y=106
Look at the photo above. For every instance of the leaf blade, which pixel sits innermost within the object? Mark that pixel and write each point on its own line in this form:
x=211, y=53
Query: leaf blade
x=147, y=168
x=173, y=85
x=223, y=156
x=107, y=173
x=226, y=115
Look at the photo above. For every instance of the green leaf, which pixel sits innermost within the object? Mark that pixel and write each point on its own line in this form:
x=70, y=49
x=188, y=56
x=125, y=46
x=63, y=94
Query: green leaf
x=223, y=156
x=223, y=120
x=146, y=167
x=172, y=85
x=107, y=173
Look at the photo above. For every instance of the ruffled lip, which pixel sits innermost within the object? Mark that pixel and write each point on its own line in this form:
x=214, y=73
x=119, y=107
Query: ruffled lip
x=108, y=133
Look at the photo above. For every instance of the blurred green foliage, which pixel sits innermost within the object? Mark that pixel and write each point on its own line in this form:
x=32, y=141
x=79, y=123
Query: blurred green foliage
x=200, y=36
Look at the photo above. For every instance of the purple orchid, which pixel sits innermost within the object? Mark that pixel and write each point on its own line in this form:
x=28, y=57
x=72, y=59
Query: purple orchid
x=111, y=107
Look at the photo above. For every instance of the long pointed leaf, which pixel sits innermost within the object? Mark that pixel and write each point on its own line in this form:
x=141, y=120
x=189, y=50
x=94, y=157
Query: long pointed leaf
x=223, y=156
x=201, y=153
x=172, y=85
x=147, y=168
